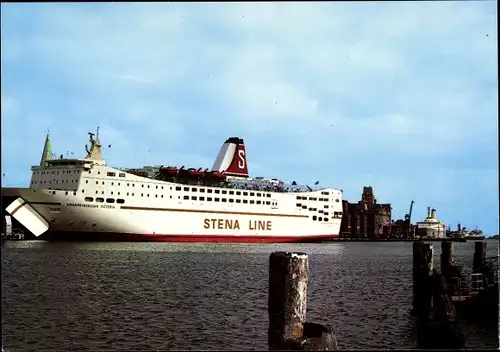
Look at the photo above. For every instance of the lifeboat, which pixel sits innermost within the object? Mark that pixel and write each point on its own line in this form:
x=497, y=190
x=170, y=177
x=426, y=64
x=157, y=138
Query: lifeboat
x=195, y=173
x=219, y=176
x=170, y=170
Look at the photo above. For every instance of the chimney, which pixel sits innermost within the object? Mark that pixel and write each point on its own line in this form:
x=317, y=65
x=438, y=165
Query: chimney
x=428, y=212
x=433, y=214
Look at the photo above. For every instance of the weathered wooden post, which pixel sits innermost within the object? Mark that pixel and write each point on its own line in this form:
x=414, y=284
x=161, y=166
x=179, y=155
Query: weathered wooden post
x=287, y=304
x=422, y=269
x=479, y=256
x=440, y=330
x=446, y=257
x=287, y=307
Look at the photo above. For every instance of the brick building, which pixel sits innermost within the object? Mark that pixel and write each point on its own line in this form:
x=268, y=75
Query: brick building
x=366, y=218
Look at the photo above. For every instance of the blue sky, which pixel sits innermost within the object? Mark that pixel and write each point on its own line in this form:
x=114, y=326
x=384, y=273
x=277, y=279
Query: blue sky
x=399, y=96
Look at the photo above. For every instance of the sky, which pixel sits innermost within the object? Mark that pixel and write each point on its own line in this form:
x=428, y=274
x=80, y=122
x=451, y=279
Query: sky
x=400, y=96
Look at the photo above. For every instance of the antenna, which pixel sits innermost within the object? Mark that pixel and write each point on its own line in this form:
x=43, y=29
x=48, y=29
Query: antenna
x=97, y=134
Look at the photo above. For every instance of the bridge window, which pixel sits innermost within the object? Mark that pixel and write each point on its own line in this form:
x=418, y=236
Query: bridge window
x=245, y=201
x=252, y=194
x=89, y=199
x=231, y=200
x=202, y=190
x=99, y=200
x=186, y=197
x=245, y=193
x=186, y=189
x=252, y=201
x=110, y=200
x=216, y=191
x=194, y=198
x=202, y=198
x=224, y=192
x=209, y=199
x=224, y=200
x=216, y=199
x=112, y=174
x=231, y=192
x=209, y=190
x=326, y=206
x=120, y=201
x=238, y=200
x=193, y=189
x=177, y=188
x=258, y=194
x=121, y=174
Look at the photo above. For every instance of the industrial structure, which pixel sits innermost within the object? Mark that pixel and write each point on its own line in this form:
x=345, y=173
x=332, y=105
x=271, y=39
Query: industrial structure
x=431, y=227
x=366, y=218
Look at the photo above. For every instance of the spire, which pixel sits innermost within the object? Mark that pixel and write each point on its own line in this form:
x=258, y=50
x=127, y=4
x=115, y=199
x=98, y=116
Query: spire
x=47, y=151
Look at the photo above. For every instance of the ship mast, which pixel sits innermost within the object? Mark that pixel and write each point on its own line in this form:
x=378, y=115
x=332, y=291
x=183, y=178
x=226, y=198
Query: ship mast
x=94, y=153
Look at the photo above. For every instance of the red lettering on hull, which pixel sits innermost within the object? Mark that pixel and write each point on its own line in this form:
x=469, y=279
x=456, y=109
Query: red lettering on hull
x=226, y=224
x=221, y=224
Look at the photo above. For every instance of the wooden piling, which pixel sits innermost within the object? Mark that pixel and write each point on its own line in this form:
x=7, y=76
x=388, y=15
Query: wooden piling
x=479, y=256
x=439, y=329
x=287, y=307
x=422, y=269
x=287, y=303
x=446, y=257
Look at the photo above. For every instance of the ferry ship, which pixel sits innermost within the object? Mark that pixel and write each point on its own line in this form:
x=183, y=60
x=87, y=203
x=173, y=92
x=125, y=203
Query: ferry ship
x=85, y=199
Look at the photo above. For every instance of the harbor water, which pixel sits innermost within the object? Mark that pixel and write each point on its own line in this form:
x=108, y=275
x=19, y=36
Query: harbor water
x=161, y=296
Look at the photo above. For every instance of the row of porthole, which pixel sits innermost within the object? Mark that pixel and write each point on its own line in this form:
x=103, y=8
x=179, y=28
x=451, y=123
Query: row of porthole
x=315, y=218
x=230, y=200
x=56, y=172
x=50, y=181
x=208, y=199
x=128, y=184
x=108, y=200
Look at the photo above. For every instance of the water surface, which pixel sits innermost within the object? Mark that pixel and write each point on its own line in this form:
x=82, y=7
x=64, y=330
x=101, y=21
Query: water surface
x=159, y=296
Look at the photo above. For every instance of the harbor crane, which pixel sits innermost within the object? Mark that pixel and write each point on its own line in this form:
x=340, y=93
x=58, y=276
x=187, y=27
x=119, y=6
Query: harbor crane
x=408, y=217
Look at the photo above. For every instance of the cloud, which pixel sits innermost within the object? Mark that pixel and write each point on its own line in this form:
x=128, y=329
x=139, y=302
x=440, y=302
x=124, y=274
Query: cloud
x=399, y=95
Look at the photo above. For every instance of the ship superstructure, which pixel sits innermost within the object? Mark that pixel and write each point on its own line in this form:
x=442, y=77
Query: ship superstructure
x=84, y=198
x=431, y=227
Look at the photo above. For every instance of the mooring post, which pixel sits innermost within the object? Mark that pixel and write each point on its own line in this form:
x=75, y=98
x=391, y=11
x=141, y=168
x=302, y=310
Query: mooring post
x=422, y=269
x=287, y=307
x=440, y=329
x=446, y=257
x=479, y=256
x=287, y=304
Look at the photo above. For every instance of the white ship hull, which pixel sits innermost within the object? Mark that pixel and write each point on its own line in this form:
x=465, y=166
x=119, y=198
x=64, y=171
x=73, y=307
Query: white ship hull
x=70, y=217
x=86, y=199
